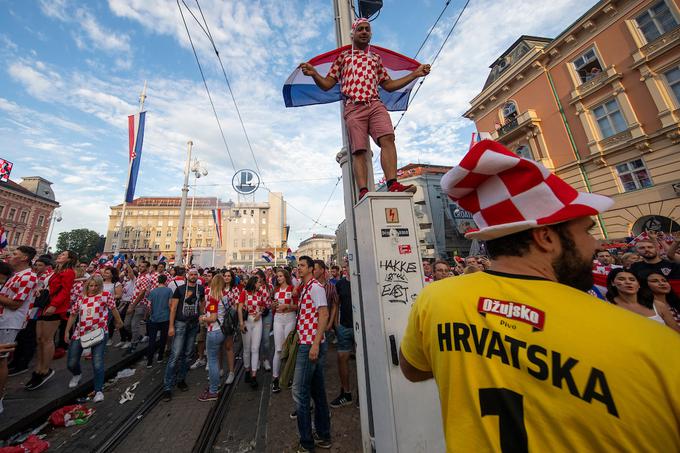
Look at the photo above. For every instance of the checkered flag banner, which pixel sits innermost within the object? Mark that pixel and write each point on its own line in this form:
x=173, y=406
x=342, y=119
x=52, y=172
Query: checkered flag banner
x=506, y=193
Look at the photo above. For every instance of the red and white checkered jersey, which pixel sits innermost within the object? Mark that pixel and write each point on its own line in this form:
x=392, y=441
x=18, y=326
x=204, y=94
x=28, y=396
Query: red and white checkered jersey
x=285, y=295
x=77, y=290
x=93, y=312
x=428, y=279
x=359, y=75
x=251, y=300
x=41, y=284
x=312, y=296
x=19, y=288
x=233, y=295
x=215, y=305
x=144, y=285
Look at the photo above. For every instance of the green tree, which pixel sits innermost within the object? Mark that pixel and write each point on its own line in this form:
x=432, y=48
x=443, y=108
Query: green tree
x=86, y=243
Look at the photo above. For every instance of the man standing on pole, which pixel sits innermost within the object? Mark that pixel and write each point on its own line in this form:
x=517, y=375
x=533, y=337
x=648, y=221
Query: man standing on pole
x=360, y=72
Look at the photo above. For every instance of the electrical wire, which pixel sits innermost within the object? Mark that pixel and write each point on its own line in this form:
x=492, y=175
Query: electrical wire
x=431, y=29
x=453, y=27
x=329, y=199
x=233, y=98
x=205, y=83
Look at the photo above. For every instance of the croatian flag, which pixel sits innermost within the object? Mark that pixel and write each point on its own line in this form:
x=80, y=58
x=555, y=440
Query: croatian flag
x=289, y=255
x=3, y=238
x=300, y=90
x=478, y=137
x=268, y=256
x=136, y=138
x=217, y=217
x=161, y=257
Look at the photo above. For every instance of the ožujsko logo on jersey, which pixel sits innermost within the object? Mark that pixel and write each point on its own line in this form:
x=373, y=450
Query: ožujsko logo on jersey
x=512, y=310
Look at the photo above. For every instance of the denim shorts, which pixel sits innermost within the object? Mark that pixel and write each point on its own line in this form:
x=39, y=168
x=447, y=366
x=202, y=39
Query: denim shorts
x=345, y=337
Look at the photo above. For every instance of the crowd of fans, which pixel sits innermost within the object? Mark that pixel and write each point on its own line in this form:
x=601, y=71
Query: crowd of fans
x=188, y=317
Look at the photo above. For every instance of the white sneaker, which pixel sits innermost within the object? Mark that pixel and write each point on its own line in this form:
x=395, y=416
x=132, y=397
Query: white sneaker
x=125, y=345
x=230, y=378
x=75, y=380
x=267, y=366
x=197, y=364
x=221, y=373
x=144, y=339
x=109, y=342
x=98, y=397
x=119, y=344
x=2, y=406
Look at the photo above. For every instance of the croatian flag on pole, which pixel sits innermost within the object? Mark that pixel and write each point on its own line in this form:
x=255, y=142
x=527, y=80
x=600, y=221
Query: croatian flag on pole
x=3, y=238
x=289, y=255
x=300, y=90
x=217, y=217
x=268, y=256
x=136, y=137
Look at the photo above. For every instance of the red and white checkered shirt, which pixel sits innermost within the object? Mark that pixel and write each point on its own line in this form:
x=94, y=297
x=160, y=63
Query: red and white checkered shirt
x=77, y=290
x=233, y=295
x=215, y=305
x=359, y=75
x=144, y=284
x=265, y=300
x=251, y=301
x=93, y=312
x=312, y=296
x=19, y=288
x=285, y=295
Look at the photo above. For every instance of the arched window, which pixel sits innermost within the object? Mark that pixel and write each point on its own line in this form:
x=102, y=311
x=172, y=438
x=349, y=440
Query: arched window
x=509, y=111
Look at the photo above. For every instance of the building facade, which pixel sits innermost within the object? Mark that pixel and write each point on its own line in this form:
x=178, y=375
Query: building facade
x=26, y=210
x=600, y=106
x=248, y=229
x=318, y=247
x=441, y=224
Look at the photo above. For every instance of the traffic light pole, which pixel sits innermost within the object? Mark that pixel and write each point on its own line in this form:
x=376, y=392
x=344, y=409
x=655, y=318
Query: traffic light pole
x=384, y=259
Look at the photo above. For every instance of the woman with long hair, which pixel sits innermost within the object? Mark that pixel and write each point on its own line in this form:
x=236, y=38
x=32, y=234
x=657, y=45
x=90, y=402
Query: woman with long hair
x=667, y=303
x=251, y=328
x=128, y=284
x=266, y=291
x=112, y=286
x=285, y=314
x=89, y=313
x=60, y=286
x=623, y=289
x=215, y=311
x=232, y=292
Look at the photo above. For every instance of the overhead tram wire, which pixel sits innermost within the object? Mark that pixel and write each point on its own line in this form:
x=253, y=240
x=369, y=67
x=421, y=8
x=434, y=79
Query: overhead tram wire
x=233, y=98
x=329, y=199
x=205, y=83
x=453, y=27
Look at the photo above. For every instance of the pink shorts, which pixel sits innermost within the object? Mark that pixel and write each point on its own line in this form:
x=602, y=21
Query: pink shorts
x=363, y=120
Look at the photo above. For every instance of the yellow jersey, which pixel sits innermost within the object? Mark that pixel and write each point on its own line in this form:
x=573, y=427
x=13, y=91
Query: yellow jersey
x=526, y=364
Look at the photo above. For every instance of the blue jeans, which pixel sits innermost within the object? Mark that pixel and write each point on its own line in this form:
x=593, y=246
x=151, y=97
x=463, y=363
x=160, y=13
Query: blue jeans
x=152, y=329
x=214, y=342
x=309, y=382
x=182, y=347
x=75, y=350
x=265, y=353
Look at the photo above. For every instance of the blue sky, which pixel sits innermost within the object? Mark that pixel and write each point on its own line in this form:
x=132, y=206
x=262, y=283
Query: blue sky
x=72, y=71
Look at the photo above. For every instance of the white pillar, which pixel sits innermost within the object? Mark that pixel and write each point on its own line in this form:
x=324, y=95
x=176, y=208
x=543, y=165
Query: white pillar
x=183, y=208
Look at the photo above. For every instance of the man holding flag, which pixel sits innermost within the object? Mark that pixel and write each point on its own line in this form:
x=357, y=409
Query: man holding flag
x=360, y=72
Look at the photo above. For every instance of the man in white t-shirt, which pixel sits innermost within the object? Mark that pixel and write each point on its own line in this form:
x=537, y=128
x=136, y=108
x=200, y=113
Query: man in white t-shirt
x=16, y=299
x=311, y=360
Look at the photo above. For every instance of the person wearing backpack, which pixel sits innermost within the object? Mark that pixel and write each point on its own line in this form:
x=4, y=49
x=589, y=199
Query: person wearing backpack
x=185, y=308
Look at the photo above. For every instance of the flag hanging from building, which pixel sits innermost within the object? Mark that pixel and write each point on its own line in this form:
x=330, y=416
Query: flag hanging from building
x=136, y=138
x=268, y=256
x=289, y=255
x=300, y=90
x=217, y=217
x=5, y=169
x=161, y=258
x=3, y=238
x=478, y=137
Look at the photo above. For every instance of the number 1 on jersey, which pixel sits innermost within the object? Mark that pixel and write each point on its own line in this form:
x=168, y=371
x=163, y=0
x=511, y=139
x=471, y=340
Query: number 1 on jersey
x=509, y=408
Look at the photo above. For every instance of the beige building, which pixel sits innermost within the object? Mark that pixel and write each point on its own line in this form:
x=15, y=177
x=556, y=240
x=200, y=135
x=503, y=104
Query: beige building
x=318, y=247
x=600, y=106
x=248, y=229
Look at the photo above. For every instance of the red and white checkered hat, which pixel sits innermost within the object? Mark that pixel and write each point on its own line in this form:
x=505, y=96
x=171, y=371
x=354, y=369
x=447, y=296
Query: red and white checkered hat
x=507, y=194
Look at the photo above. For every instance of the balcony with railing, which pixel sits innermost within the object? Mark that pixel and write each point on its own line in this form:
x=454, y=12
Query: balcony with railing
x=515, y=126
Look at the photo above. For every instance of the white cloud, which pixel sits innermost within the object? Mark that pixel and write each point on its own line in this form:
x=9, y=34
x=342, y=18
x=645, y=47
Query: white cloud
x=100, y=36
x=39, y=84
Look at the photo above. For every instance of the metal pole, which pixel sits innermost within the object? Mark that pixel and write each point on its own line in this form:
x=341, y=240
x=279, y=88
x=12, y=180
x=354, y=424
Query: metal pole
x=191, y=218
x=119, y=239
x=183, y=208
x=217, y=237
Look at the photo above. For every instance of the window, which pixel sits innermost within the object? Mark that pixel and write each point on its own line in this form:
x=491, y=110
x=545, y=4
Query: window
x=524, y=151
x=12, y=213
x=35, y=240
x=113, y=247
x=633, y=175
x=243, y=243
x=509, y=111
x=208, y=242
x=199, y=242
x=115, y=234
x=146, y=244
x=587, y=66
x=167, y=246
x=235, y=243
x=137, y=232
x=264, y=221
x=158, y=233
x=168, y=234
x=656, y=21
x=2, y=209
x=160, y=223
x=41, y=219
x=170, y=222
x=673, y=79
x=124, y=244
x=17, y=237
x=252, y=220
x=147, y=234
x=156, y=246
x=234, y=256
x=609, y=118
x=127, y=234
x=252, y=242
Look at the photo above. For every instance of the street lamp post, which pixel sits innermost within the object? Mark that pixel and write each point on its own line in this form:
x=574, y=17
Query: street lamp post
x=56, y=217
x=198, y=170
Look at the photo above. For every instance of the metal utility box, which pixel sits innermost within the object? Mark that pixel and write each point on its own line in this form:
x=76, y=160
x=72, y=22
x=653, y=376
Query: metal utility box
x=406, y=416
